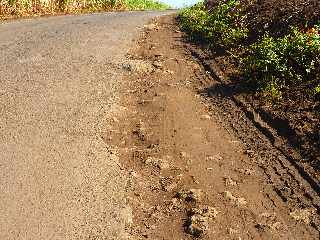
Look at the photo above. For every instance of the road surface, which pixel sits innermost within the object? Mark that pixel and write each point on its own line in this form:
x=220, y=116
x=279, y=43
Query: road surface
x=59, y=79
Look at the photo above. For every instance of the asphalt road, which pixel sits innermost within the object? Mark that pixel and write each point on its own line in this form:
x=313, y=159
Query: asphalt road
x=59, y=83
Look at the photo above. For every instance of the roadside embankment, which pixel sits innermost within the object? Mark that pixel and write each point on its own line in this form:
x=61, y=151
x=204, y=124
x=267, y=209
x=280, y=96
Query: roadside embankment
x=268, y=53
x=199, y=167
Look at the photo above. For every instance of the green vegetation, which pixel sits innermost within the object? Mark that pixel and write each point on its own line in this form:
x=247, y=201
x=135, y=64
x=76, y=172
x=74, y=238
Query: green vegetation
x=221, y=27
x=14, y=8
x=271, y=63
x=284, y=61
x=145, y=4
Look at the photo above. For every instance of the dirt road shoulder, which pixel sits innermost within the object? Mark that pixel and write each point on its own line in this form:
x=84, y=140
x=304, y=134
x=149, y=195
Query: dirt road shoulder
x=191, y=173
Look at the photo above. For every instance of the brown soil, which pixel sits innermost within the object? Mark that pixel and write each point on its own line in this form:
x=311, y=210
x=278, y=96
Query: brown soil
x=276, y=16
x=296, y=117
x=198, y=165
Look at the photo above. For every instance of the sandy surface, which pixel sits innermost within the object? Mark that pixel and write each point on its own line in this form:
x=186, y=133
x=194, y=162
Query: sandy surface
x=59, y=90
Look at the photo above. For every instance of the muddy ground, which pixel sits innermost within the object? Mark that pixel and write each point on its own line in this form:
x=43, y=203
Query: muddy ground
x=199, y=166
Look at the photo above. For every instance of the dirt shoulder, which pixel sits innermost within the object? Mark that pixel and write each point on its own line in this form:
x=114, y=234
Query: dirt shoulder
x=198, y=166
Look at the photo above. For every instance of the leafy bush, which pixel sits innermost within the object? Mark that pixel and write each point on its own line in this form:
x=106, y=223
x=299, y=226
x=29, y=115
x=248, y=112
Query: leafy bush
x=272, y=62
x=223, y=26
x=145, y=4
x=194, y=21
x=286, y=61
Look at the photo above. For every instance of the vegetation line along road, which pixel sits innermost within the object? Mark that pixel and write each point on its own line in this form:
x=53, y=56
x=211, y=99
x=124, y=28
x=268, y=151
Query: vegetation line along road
x=20, y=8
x=270, y=52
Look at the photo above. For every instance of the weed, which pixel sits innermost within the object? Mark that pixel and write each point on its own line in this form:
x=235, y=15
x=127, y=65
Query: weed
x=221, y=27
x=271, y=63
x=317, y=90
x=271, y=91
x=292, y=60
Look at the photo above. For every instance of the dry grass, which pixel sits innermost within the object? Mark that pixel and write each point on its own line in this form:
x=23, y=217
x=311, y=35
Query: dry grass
x=21, y=8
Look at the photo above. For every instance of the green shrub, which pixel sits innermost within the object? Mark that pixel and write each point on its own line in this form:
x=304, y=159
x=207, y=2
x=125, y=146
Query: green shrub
x=145, y=4
x=223, y=26
x=195, y=21
x=271, y=91
x=317, y=90
x=290, y=60
x=273, y=64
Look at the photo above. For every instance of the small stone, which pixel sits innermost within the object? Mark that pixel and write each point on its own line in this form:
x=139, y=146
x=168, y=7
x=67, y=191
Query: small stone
x=230, y=182
x=196, y=194
x=241, y=201
x=198, y=221
x=151, y=161
x=236, y=200
x=205, y=211
x=163, y=164
x=151, y=27
x=138, y=66
x=158, y=162
x=197, y=225
x=157, y=64
x=189, y=161
x=215, y=158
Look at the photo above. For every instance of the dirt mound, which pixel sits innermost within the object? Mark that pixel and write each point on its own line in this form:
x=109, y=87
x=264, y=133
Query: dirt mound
x=276, y=16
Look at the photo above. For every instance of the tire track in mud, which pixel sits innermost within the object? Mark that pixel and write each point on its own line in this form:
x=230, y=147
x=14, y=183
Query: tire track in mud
x=289, y=178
